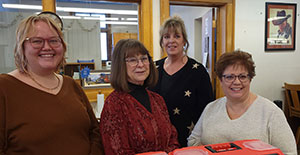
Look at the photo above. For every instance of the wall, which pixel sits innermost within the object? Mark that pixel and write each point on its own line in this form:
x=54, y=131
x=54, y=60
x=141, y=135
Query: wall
x=83, y=40
x=272, y=68
x=189, y=15
x=8, y=26
x=156, y=25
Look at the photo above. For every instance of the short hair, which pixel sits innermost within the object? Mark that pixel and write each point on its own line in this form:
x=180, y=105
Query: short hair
x=128, y=48
x=27, y=26
x=235, y=58
x=175, y=24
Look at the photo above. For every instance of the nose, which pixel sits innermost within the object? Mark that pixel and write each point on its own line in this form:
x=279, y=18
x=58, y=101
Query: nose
x=46, y=45
x=172, y=39
x=236, y=80
x=140, y=63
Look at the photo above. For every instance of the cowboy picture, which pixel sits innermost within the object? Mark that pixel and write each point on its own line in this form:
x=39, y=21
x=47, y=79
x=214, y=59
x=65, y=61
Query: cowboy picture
x=280, y=29
x=280, y=26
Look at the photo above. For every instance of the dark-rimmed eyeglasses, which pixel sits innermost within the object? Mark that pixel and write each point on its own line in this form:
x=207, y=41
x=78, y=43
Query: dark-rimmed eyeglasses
x=231, y=77
x=133, y=61
x=38, y=43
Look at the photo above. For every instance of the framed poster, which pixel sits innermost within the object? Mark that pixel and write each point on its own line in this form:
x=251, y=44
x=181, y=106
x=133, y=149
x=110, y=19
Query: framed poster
x=97, y=78
x=280, y=26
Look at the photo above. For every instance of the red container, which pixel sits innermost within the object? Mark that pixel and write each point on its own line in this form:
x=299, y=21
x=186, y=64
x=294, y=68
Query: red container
x=244, y=147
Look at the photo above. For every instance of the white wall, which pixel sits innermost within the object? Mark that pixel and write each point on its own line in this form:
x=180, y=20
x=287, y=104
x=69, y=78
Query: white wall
x=156, y=26
x=272, y=68
x=83, y=40
x=189, y=15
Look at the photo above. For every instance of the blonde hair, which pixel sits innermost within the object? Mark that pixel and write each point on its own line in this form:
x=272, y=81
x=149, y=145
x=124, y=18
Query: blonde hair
x=25, y=27
x=176, y=24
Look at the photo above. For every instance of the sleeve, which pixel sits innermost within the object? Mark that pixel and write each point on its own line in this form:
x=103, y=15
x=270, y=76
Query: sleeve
x=96, y=147
x=281, y=135
x=95, y=138
x=195, y=138
x=113, y=128
x=204, y=93
x=2, y=124
x=173, y=143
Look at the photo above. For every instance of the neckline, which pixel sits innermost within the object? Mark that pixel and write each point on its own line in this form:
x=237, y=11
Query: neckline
x=32, y=87
x=178, y=72
x=245, y=113
x=44, y=87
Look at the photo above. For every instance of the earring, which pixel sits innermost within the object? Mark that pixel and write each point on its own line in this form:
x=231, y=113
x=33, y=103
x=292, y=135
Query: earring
x=184, y=47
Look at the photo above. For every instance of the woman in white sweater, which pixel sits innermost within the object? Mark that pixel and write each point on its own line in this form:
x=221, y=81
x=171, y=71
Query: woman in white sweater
x=241, y=114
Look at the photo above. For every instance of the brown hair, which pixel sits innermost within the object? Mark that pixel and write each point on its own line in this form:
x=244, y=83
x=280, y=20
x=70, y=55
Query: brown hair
x=235, y=58
x=176, y=24
x=128, y=48
x=27, y=26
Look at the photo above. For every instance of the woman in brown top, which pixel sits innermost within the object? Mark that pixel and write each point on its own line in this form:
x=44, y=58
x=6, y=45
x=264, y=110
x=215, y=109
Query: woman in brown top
x=42, y=112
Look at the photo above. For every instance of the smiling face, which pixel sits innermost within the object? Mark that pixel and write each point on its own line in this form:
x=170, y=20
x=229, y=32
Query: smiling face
x=236, y=91
x=46, y=58
x=138, y=73
x=173, y=42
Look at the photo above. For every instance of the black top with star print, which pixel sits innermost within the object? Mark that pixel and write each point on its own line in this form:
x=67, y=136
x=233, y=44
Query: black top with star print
x=186, y=94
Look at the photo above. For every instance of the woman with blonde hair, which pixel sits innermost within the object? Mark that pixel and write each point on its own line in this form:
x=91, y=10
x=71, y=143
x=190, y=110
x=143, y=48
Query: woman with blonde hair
x=183, y=82
x=42, y=112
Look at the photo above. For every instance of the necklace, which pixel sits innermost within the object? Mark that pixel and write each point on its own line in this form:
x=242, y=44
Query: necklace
x=44, y=86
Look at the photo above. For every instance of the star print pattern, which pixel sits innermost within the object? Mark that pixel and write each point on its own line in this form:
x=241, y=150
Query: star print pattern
x=189, y=90
x=191, y=127
x=187, y=93
x=195, y=65
x=176, y=111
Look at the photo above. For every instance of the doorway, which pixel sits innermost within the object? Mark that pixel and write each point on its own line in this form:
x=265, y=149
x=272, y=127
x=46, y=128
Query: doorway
x=223, y=23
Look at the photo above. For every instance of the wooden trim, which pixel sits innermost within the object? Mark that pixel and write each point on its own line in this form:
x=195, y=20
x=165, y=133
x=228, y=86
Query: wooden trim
x=49, y=5
x=210, y=3
x=146, y=24
x=229, y=27
x=224, y=26
x=127, y=1
x=220, y=46
x=164, y=5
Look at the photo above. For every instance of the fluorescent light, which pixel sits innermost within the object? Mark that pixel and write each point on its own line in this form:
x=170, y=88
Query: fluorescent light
x=109, y=18
x=82, y=14
x=102, y=21
x=69, y=17
x=120, y=23
x=131, y=19
x=91, y=18
x=110, y=22
x=90, y=10
x=22, y=6
x=71, y=9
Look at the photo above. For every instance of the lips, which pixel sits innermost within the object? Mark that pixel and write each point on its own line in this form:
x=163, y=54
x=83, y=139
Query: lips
x=236, y=89
x=140, y=72
x=46, y=55
x=172, y=47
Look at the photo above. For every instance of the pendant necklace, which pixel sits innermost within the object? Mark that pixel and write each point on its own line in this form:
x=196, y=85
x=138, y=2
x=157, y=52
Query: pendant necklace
x=35, y=81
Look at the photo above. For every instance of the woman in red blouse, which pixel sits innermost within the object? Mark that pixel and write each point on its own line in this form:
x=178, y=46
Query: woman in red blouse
x=134, y=119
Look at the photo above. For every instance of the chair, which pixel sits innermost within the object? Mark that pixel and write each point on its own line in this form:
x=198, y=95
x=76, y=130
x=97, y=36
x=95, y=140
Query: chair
x=292, y=92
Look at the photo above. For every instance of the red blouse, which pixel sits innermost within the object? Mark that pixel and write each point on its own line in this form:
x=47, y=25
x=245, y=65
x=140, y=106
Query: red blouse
x=127, y=127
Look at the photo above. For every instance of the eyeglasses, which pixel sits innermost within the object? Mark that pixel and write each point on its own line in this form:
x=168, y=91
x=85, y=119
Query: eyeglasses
x=133, y=61
x=38, y=43
x=242, y=77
